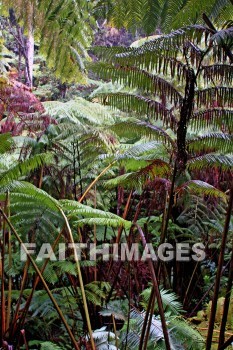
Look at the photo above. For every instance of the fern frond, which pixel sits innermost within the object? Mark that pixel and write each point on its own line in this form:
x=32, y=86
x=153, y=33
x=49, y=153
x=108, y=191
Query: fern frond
x=91, y=215
x=6, y=142
x=142, y=129
x=202, y=188
x=79, y=111
x=23, y=168
x=225, y=162
x=47, y=345
x=138, y=179
x=223, y=36
x=212, y=118
x=137, y=78
x=169, y=299
x=137, y=150
x=167, y=44
x=115, y=223
x=151, y=11
x=139, y=104
x=183, y=335
x=223, y=96
x=108, y=54
x=97, y=291
x=68, y=22
x=221, y=72
x=189, y=12
x=214, y=142
x=37, y=195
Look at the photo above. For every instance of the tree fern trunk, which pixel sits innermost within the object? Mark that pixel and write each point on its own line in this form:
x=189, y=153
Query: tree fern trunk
x=185, y=114
x=29, y=44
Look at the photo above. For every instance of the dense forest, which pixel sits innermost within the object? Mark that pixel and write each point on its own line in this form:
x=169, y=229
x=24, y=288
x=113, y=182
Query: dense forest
x=116, y=187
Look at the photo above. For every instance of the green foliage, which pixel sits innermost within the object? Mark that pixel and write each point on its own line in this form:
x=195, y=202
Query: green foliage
x=214, y=160
x=5, y=142
x=170, y=301
x=104, y=340
x=203, y=188
x=165, y=14
x=63, y=29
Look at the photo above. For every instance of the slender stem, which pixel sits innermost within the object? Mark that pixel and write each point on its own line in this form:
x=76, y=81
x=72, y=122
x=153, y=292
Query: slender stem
x=120, y=229
x=206, y=293
x=3, y=316
x=43, y=281
x=22, y=287
x=79, y=169
x=170, y=203
x=149, y=322
x=129, y=308
x=74, y=171
x=157, y=292
x=190, y=282
x=95, y=239
x=96, y=179
x=8, y=315
x=226, y=304
x=219, y=272
x=145, y=322
x=29, y=299
x=80, y=280
x=115, y=330
x=227, y=343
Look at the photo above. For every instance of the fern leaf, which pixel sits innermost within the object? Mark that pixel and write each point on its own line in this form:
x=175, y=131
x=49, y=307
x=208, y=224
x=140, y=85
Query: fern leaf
x=213, y=118
x=211, y=143
x=151, y=11
x=202, y=188
x=166, y=45
x=137, y=150
x=211, y=160
x=221, y=72
x=141, y=105
x=140, y=178
x=183, y=335
x=137, y=78
x=90, y=215
x=222, y=96
x=223, y=36
x=5, y=142
x=23, y=168
x=169, y=299
x=142, y=129
x=115, y=223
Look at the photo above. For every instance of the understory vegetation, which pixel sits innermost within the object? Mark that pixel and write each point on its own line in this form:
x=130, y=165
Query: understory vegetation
x=116, y=134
